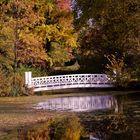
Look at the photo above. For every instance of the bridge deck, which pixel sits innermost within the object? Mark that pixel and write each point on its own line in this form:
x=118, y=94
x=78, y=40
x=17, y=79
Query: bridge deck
x=67, y=81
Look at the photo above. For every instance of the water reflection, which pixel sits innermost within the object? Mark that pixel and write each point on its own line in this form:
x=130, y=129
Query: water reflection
x=79, y=104
x=103, y=125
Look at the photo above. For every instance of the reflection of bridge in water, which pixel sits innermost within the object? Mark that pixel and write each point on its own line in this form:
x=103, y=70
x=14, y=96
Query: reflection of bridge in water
x=79, y=104
x=67, y=81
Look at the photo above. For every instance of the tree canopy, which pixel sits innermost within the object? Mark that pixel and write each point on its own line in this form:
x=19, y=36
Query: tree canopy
x=108, y=27
x=46, y=34
x=37, y=33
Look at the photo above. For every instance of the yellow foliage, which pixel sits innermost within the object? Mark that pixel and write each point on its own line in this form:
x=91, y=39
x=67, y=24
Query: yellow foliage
x=117, y=70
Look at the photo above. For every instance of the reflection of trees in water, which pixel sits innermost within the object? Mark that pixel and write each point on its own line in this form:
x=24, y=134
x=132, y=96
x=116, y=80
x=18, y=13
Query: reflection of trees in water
x=102, y=124
x=124, y=125
x=111, y=127
x=132, y=112
x=63, y=128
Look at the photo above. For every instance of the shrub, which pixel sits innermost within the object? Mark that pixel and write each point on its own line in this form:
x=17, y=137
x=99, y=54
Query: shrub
x=117, y=71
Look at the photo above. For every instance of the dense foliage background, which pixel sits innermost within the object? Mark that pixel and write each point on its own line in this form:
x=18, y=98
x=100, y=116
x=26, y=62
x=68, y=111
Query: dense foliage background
x=34, y=35
x=109, y=36
x=54, y=37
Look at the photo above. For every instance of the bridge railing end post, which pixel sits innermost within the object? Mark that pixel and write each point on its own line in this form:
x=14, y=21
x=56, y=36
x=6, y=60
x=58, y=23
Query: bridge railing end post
x=28, y=79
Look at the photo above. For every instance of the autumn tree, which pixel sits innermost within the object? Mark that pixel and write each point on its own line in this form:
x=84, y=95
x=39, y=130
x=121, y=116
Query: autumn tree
x=35, y=33
x=61, y=37
x=18, y=20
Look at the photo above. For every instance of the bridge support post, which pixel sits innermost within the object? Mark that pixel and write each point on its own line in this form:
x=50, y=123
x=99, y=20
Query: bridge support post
x=28, y=79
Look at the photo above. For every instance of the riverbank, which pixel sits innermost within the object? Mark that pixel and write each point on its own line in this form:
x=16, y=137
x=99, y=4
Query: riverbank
x=16, y=112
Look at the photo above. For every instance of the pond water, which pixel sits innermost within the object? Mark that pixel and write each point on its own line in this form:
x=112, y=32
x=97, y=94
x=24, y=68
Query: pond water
x=79, y=104
x=103, y=117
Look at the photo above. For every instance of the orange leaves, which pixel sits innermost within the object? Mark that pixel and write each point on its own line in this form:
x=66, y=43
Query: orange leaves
x=18, y=21
x=31, y=48
x=64, y=5
x=32, y=22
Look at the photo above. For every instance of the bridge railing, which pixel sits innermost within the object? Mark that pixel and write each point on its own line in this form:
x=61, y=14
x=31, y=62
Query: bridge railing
x=67, y=81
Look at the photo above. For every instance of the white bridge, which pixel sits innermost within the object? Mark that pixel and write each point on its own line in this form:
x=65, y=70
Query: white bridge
x=67, y=81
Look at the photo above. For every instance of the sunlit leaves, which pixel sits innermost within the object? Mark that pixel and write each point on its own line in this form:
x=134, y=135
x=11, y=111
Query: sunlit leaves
x=34, y=33
x=117, y=70
x=34, y=22
x=58, y=28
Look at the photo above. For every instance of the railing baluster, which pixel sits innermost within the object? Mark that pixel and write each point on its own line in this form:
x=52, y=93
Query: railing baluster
x=67, y=81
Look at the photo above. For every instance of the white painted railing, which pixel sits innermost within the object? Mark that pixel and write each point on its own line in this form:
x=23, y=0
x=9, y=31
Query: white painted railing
x=67, y=81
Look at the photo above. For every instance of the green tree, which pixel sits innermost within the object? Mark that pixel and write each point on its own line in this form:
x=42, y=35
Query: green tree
x=110, y=27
